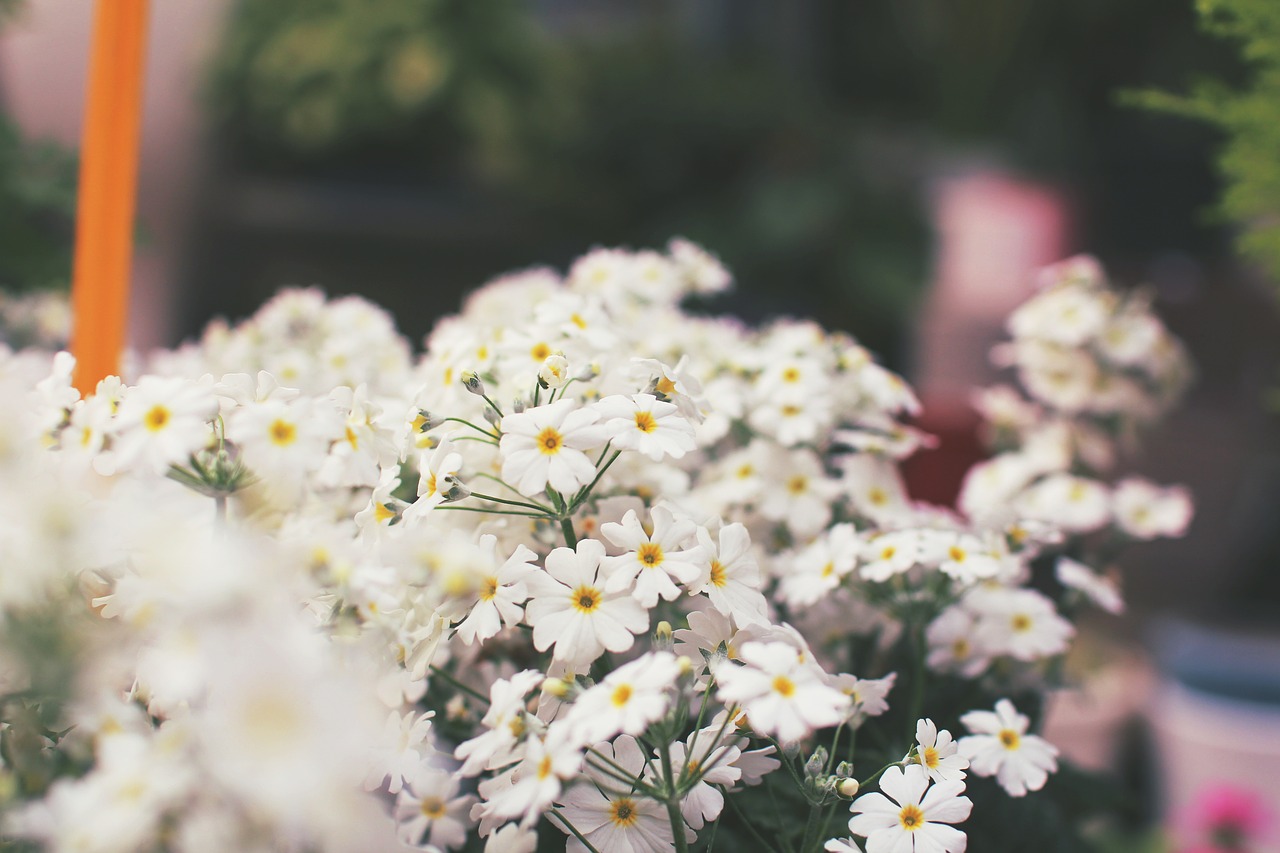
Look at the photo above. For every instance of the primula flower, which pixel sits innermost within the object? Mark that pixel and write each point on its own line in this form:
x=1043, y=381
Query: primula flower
x=1001, y=747
x=431, y=812
x=1146, y=511
x=627, y=700
x=913, y=820
x=506, y=722
x=623, y=822
x=161, y=422
x=937, y=753
x=652, y=561
x=780, y=694
x=731, y=576
x=647, y=425
x=501, y=591
x=572, y=611
x=544, y=446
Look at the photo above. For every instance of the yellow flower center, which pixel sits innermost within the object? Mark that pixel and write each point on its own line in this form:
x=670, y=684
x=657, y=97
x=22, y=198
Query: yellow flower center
x=650, y=554
x=877, y=496
x=798, y=484
x=540, y=352
x=929, y=757
x=665, y=386
x=828, y=570
x=645, y=422
x=544, y=767
x=623, y=812
x=791, y=374
x=790, y=410
x=1010, y=739
x=282, y=432
x=1021, y=622
x=156, y=419
x=586, y=599
x=718, y=575
x=745, y=471
x=549, y=441
x=433, y=808
x=784, y=685
x=383, y=513
x=911, y=817
x=621, y=695
x=488, y=589
x=577, y=320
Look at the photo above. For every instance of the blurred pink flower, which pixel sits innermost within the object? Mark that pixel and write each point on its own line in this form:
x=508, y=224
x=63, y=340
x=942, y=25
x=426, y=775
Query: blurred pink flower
x=1226, y=818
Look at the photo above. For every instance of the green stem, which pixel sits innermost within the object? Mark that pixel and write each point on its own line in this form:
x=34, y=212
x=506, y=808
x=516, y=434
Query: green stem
x=673, y=799
x=566, y=527
x=582, y=495
x=555, y=810
x=475, y=427
x=493, y=405
x=490, y=511
x=920, y=649
x=447, y=676
x=525, y=504
x=812, y=827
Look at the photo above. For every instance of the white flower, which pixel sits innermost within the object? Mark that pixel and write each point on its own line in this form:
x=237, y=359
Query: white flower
x=912, y=820
x=162, y=422
x=544, y=446
x=1076, y=504
x=622, y=822
x=646, y=424
x=820, y=566
x=1100, y=589
x=653, y=561
x=714, y=768
x=501, y=591
x=951, y=643
x=505, y=720
x=1020, y=623
x=731, y=576
x=937, y=753
x=437, y=477
x=1146, y=511
x=400, y=755
x=1001, y=747
x=626, y=701
x=779, y=693
x=432, y=812
x=572, y=611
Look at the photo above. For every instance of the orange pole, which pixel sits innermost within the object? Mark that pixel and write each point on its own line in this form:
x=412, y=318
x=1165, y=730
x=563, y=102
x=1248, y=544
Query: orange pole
x=107, y=190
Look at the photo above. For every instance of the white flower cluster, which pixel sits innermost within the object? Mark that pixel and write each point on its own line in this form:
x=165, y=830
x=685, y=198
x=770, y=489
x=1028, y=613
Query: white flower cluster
x=589, y=562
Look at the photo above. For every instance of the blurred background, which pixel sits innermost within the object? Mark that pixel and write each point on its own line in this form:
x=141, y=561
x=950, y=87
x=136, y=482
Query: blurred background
x=896, y=168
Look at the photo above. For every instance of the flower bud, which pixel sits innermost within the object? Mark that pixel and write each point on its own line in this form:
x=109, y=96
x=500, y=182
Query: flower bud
x=453, y=490
x=425, y=421
x=473, y=383
x=554, y=372
x=556, y=687
x=663, y=637
x=847, y=788
x=492, y=417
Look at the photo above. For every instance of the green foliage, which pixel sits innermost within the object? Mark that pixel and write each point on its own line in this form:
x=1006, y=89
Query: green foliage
x=37, y=211
x=419, y=81
x=1249, y=115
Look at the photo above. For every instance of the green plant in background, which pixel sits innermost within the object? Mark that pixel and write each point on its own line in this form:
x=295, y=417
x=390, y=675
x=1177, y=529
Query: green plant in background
x=37, y=204
x=1249, y=115
x=37, y=212
x=429, y=85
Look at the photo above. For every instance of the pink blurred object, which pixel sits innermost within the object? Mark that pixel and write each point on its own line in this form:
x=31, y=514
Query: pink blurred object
x=994, y=231
x=1226, y=817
